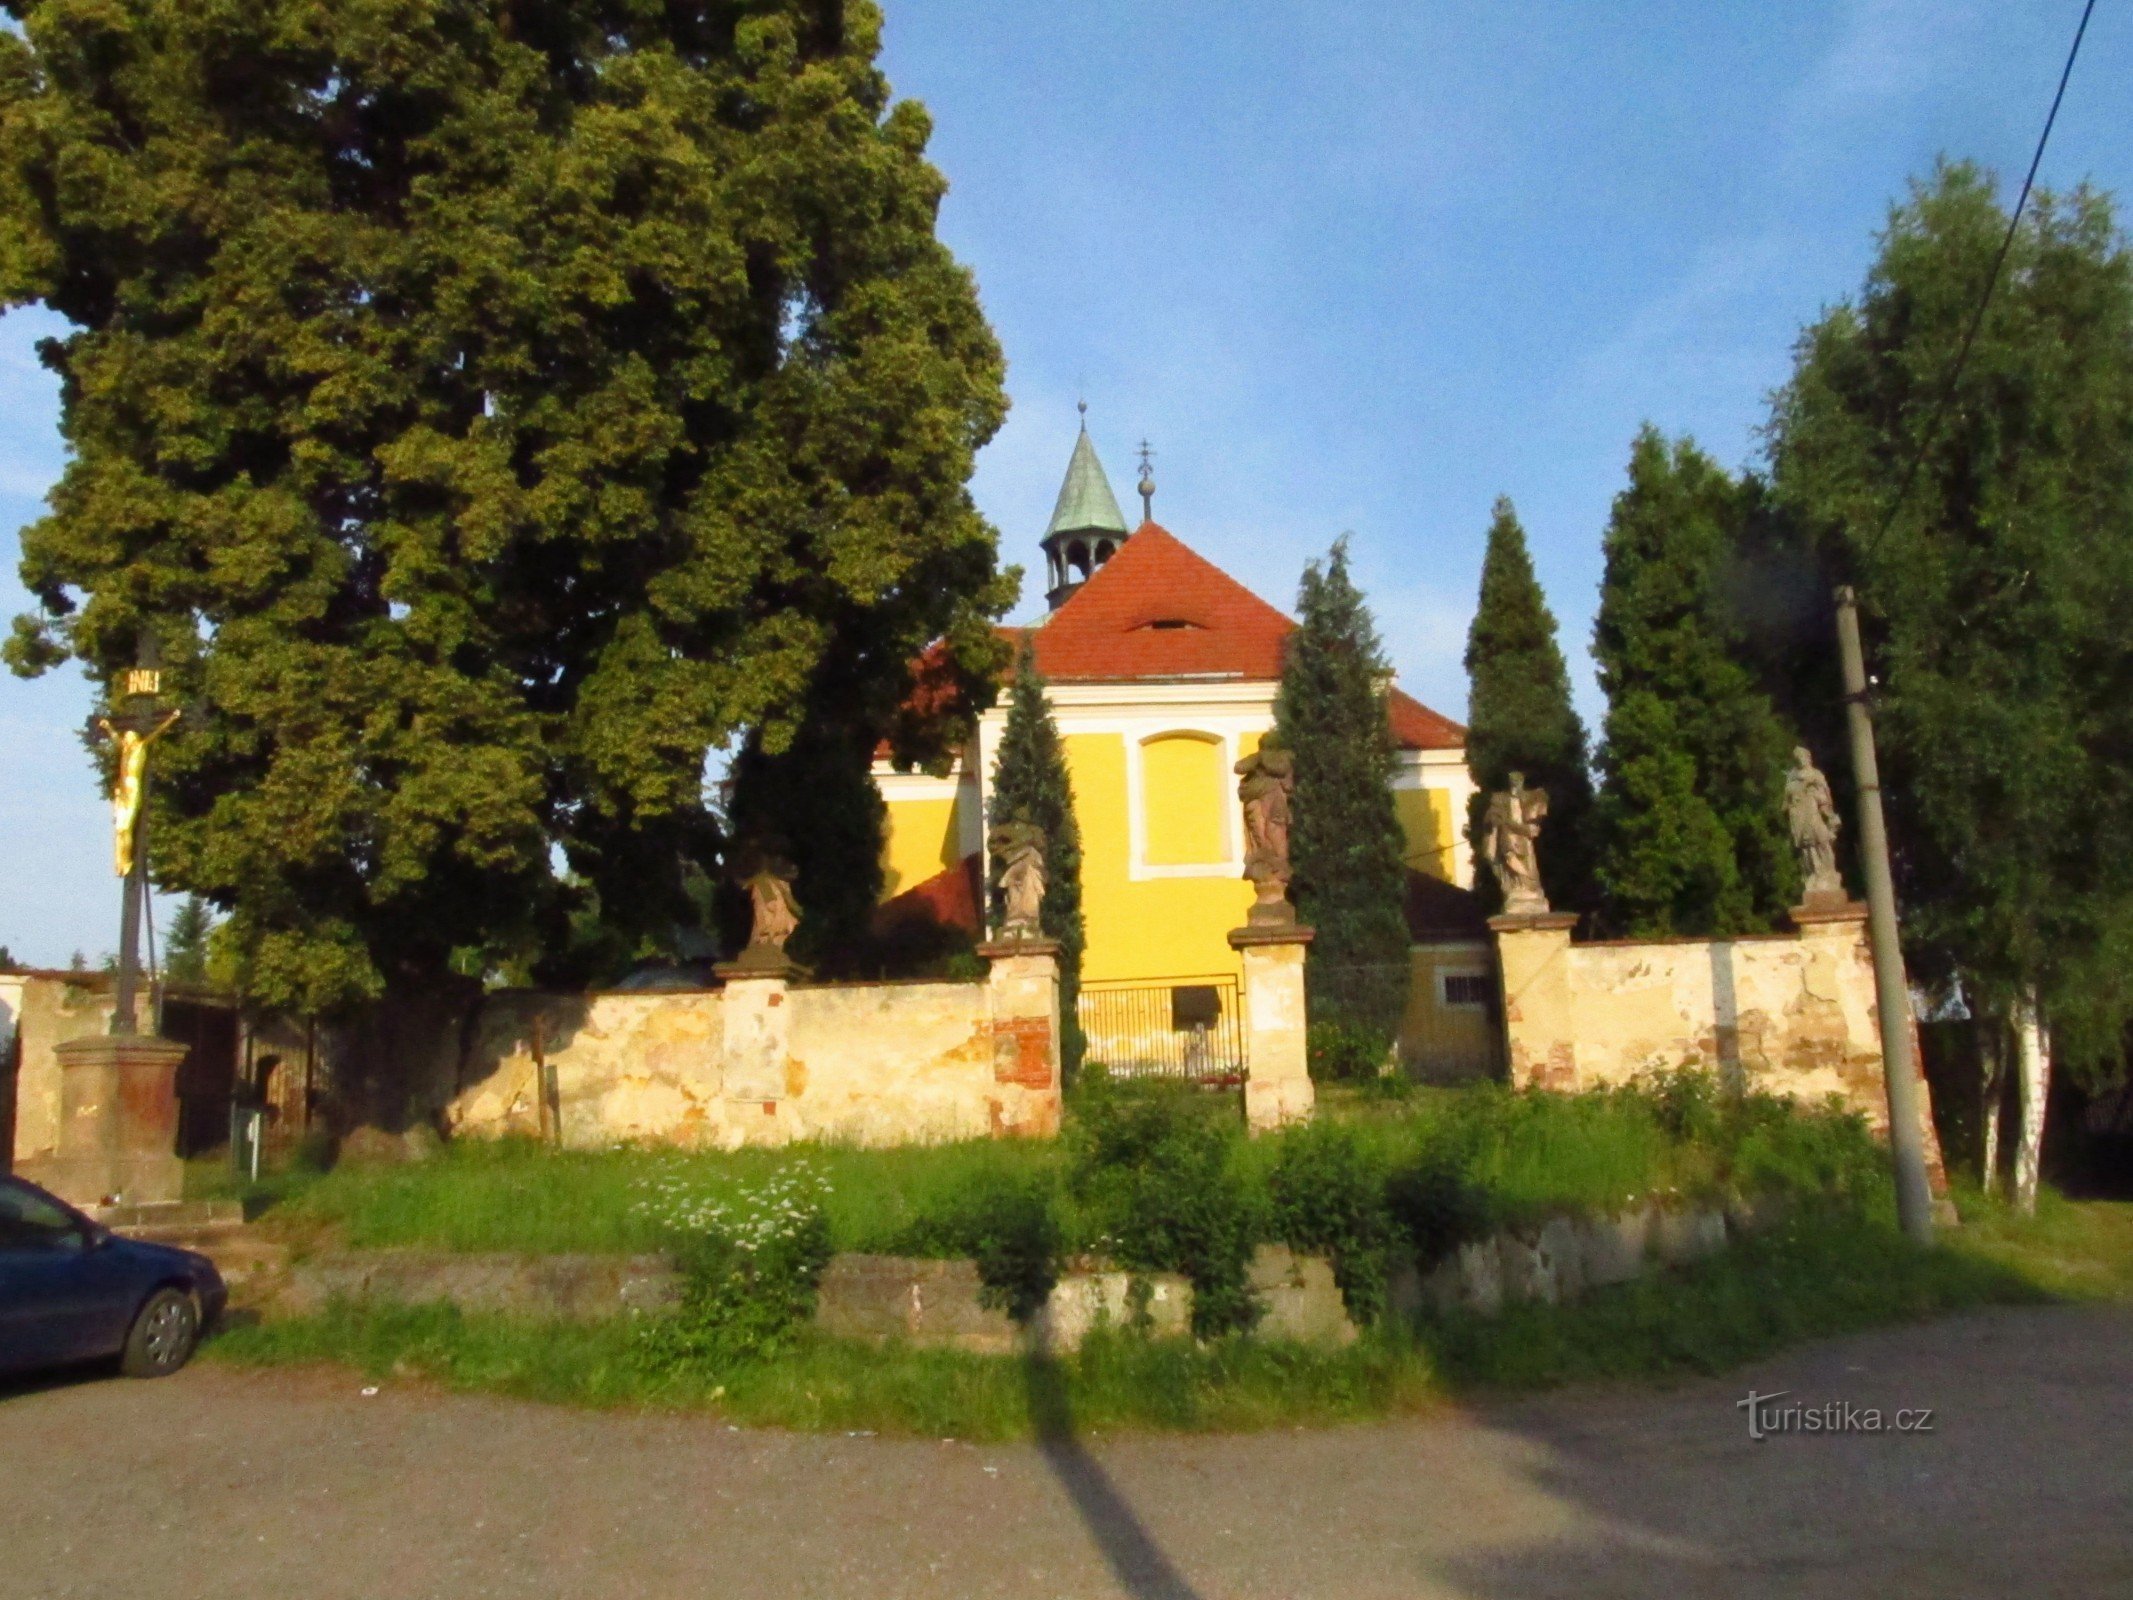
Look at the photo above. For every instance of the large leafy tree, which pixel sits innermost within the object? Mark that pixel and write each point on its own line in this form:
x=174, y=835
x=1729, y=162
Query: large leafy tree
x=1520, y=719
x=1345, y=848
x=1997, y=592
x=1691, y=824
x=493, y=405
x=1030, y=783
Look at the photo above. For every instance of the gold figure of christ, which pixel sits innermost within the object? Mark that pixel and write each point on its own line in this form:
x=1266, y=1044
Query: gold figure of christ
x=128, y=786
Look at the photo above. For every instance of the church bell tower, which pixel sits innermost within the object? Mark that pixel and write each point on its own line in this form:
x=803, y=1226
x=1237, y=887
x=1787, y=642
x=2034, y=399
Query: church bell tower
x=1086, y=528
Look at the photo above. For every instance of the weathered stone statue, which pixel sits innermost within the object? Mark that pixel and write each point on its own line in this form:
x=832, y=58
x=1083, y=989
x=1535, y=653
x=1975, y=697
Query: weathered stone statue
x=1265, y=780
x=773, y=911
x=1811, y=814
x=1510, y=838
x=1019, y=848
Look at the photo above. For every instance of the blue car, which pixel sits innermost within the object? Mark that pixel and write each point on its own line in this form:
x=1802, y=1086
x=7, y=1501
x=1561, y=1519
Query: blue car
x=72, y=1290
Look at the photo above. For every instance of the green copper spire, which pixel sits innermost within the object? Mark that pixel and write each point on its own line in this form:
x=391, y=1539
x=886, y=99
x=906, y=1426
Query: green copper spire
x=1087, y=527
x=1086, y=504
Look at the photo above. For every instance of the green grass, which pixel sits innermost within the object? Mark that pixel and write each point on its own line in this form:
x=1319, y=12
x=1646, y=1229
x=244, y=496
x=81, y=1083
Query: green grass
x=1532, y=1154
x=520, y=1196
x=1814, y=1276
x=1116, y=1381
x=2070, y=1250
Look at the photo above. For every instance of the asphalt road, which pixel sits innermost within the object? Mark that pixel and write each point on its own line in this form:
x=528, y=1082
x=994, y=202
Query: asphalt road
x=299, y=1487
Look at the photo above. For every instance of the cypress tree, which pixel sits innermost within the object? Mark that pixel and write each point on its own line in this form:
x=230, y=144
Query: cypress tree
x=185, y=947
x=1520, y=719
x=1030, y=783
x=1690, y=821
x=1345, y=847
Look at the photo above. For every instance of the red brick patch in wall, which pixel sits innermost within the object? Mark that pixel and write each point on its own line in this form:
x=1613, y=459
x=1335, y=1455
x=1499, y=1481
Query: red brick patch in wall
x=1022, y=1052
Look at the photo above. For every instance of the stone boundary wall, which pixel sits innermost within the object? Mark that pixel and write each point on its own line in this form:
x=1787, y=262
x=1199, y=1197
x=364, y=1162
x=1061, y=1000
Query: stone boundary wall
x=1786, y=1013
x=765, y=1061
x=938, y=1304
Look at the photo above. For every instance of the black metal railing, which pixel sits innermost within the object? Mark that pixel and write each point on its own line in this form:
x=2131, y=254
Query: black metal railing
x=1191, y=1028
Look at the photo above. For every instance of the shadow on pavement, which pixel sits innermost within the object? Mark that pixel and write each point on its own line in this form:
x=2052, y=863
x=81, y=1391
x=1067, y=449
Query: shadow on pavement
x=1140, y=1566
x=18, y=1385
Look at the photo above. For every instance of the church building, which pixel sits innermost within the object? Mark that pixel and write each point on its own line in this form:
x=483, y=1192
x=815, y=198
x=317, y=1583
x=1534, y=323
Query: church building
x=1161, y=670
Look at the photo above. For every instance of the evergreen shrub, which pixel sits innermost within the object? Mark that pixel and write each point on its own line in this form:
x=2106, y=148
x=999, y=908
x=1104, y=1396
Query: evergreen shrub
x=1010, y=1225
x=1347, y=1051
x=1154, y=1166
x=1329, y=1198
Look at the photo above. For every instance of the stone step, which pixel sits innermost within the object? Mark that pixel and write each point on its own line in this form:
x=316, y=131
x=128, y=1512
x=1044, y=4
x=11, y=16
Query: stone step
x=212, y=1228
x=133, y=1221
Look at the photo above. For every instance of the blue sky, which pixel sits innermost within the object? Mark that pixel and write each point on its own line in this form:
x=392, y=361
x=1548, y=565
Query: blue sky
x=1352, y=268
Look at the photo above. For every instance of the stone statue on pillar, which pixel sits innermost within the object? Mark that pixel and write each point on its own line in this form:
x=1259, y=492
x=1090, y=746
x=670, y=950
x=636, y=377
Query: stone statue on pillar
x=1811, y=815
x=1019, y=847
x=1265, y=781
x=774, y=911
x=1510, y=839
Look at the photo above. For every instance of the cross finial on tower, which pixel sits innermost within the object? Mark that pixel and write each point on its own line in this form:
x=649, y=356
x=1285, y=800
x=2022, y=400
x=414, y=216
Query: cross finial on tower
x=1147, y=483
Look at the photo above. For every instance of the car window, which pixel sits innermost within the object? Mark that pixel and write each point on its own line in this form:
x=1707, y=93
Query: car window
x=29, y=1221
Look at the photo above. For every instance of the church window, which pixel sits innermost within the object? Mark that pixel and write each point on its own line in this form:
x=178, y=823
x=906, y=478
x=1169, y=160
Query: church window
x=1184, y=800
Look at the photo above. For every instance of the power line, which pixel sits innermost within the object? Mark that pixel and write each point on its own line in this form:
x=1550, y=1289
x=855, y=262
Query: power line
x=1955, y=373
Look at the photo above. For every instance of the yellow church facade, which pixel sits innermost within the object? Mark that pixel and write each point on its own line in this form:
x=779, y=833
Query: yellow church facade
x=1161, y=671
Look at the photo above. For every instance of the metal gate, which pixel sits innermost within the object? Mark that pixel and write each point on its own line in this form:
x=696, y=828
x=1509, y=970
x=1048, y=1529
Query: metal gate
x=1190, y=1028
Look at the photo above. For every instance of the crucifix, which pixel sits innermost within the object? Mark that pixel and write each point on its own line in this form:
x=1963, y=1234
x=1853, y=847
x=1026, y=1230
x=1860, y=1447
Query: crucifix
x=137, y=719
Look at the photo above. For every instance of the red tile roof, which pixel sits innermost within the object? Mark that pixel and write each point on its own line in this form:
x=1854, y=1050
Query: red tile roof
x=1111, y=630
x=1416, y=727
x=948, y=899
x=1103, y=632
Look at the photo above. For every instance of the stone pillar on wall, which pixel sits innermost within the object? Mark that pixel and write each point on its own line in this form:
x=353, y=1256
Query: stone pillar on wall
x=1539, y=1014
x=1277, y=1081
x=1834, y=931
x=118, y=1123
x=1022, y=993
x=758, y=1035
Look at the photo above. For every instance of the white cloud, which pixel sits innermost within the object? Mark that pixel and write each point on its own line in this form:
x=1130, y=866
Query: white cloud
x=1888, y=51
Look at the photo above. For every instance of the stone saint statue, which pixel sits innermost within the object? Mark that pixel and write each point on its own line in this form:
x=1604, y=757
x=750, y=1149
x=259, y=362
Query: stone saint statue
x=1019, y=848
x=773, y=911
x=1265, y=780
x=1811, y=814
x=129, y=784
x=1510, y=835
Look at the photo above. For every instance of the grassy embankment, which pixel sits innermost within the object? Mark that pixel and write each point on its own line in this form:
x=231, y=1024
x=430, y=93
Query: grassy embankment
x=1826, y=1270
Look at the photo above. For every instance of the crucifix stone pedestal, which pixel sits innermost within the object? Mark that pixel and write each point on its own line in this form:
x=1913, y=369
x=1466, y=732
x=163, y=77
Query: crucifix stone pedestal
x=118, y=1127
x=118, y=1092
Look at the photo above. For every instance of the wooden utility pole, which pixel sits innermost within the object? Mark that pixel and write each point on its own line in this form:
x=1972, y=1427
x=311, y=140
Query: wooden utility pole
x=1892, y=993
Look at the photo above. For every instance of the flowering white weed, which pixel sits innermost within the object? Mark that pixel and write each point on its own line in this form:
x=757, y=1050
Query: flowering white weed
x=685, y=1198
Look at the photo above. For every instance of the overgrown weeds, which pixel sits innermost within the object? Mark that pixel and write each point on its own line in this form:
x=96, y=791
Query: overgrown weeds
x=1151, y=1177
x=1815, y=1275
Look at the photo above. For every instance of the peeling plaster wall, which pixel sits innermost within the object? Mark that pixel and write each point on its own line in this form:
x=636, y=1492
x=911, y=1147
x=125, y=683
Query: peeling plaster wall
x=49, y=1010
x=761, y=1063
x=1790, y=1014
x=890, y=1063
